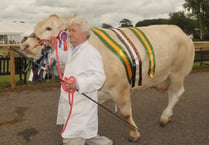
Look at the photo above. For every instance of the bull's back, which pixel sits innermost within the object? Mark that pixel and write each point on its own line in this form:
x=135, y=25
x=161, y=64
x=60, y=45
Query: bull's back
x=172, y=49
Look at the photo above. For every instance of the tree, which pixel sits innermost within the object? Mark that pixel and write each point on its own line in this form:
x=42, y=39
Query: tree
x=200, y=11
x=151, y=22
x=185, y=23
x=125, y=23
x=107, y=26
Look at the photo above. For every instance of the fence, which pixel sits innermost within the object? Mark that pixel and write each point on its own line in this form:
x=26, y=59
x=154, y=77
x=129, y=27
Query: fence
x=20, y=66
x=202, y=52
x=13, y=64
x=16, y=65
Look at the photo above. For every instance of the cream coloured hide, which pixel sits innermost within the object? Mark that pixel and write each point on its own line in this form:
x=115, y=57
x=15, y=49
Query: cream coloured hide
x=174, y=54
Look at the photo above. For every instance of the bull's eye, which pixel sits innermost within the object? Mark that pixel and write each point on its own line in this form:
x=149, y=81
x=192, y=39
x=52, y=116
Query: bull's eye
x=48, y=28
x=38, y=38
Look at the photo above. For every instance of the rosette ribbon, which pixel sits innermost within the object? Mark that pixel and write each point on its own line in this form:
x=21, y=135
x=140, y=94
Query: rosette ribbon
x=63, y=38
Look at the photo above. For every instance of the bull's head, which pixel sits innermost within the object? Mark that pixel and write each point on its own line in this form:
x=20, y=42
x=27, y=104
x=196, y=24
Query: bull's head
x=46, y=28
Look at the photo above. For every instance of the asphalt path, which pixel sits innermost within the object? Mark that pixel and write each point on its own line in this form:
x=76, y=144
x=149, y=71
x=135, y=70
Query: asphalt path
x=28, y=116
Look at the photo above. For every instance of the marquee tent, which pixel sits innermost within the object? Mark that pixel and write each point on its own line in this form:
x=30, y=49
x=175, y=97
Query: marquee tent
x=14, y=31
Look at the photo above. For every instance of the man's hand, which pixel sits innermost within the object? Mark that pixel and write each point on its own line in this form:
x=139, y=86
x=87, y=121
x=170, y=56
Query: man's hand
x=70, y=83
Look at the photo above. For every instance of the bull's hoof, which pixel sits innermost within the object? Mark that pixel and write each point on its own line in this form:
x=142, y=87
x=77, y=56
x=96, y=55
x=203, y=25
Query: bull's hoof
x=133, y=139
x=164, y=123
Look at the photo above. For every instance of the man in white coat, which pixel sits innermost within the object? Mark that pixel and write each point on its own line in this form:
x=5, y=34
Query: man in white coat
x=84, y=62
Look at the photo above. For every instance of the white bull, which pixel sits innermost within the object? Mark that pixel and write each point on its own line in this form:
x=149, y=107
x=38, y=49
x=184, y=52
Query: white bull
x=174, y=54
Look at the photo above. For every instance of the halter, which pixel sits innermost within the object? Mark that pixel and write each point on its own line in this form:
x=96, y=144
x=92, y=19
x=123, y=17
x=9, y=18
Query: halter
x=62, y=37
x=40, y=41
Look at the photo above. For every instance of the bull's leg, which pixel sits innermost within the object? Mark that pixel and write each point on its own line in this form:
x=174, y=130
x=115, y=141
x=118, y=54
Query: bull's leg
x=175, y=91
x=124, y=103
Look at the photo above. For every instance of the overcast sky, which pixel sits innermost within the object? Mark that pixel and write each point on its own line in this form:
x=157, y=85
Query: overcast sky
x=96, y=11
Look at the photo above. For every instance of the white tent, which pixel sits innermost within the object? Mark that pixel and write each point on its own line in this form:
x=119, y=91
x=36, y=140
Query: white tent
x=15, y=31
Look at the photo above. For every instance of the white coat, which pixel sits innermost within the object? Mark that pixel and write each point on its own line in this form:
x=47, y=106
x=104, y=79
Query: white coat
x=87, y=67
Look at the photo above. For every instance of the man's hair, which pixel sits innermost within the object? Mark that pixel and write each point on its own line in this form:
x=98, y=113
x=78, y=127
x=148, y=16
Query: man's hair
x=84, y=24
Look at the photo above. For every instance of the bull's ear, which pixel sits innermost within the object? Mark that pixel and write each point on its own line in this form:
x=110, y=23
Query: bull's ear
x=53, y=15
x=72, y=16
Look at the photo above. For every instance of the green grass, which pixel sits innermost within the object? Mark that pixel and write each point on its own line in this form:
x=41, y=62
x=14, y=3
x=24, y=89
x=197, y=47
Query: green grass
x=198, y=66
x=5, y=81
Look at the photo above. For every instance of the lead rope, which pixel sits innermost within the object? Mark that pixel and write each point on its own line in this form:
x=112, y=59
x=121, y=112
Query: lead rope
x=70, y=80
x=71, y=103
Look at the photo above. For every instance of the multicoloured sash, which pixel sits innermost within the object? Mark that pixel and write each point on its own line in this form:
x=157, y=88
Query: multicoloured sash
x=129, y=55
x=148, y=47
x=134, y=55
x=117, y=49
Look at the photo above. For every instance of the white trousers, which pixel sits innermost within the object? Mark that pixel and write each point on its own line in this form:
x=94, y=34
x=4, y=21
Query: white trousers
x=97, y=140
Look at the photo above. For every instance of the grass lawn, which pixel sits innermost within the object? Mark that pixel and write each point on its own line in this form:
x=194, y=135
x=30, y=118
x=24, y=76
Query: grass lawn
x=5, y=82
x=197, y=66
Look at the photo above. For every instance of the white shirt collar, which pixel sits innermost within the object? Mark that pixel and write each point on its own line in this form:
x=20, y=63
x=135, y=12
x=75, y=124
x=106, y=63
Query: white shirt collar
x=75, y=49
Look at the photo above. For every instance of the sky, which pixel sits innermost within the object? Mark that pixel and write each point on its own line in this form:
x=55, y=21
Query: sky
x=96, y=11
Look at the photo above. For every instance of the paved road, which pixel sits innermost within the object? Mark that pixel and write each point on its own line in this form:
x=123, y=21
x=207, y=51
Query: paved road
x=28, y=116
